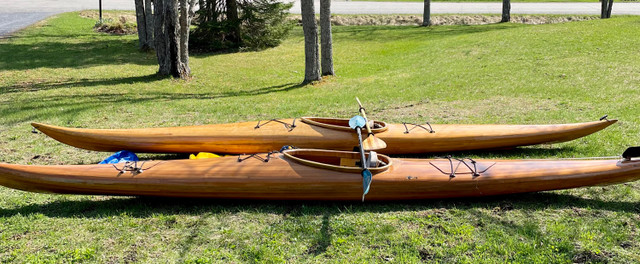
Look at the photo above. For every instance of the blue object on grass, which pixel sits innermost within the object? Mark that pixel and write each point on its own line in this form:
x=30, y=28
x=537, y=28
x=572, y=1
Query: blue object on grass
x=120, y=156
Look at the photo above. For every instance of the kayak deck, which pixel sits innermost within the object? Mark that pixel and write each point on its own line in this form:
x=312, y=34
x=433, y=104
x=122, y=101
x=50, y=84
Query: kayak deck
x=317, y=133
x=285, y=178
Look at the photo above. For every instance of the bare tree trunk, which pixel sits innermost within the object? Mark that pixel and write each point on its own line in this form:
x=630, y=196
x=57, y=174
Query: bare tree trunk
x=183, y=64
x=142, y=25
x=310, y=29
x=188, y=17
x=161, y=40
x=506, y=10
x=232, y=16
x=326, y=38
x=426, y=15
x=605, y=11
x=609, y=8
x=172, y=36
x=148, y=15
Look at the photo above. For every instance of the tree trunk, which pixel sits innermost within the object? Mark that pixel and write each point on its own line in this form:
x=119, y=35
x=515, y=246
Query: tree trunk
x=160, y=33
x=325, y=38
x=310, y=29
x=426, y=15
x=148, y=15
x=232, y=17
x=173, y=38
x=506, y=11
x=189, y=14
x=605, y=10
x=183, y=64
x=142, y=25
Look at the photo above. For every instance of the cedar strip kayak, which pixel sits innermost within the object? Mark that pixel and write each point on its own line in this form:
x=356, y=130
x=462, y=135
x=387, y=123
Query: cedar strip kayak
x=316, y=133
x=319, y=175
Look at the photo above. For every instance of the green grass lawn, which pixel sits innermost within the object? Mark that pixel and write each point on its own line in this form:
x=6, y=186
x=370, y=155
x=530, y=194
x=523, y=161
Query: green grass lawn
x=63, y=73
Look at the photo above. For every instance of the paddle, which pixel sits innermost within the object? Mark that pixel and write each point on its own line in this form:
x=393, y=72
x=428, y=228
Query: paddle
x=371, y=142
x=357, y=122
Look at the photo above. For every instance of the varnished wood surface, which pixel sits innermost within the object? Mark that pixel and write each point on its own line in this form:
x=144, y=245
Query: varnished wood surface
x=281, y=178
x=239, y=138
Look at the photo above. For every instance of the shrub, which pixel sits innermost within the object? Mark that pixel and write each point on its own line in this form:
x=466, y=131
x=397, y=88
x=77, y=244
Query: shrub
x=261, y=24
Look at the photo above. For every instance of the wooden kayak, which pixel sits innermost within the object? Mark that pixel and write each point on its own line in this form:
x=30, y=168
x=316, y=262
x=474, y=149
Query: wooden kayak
x=317, y=133
x=318, y=175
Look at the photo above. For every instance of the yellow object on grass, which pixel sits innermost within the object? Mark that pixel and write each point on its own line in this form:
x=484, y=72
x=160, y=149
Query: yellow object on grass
x=204, y=155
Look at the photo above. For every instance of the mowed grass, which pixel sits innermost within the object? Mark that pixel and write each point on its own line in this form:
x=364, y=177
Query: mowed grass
x=63, y=73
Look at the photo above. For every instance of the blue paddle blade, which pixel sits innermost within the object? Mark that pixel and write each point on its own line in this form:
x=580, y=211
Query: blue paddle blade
x=357, y=121
x=366, y=182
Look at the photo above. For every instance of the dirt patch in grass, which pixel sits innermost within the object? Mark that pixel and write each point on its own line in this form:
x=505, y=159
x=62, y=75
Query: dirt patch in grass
x=425, y=254
x=587, y=256
x=116, y=28
x=113, y=23
x=416, y=20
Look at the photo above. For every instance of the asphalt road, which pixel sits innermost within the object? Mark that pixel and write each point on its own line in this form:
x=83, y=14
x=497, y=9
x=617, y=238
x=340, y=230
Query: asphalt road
x=15, y=15
x=10, y=22
x=59, y=6
x=357, y=7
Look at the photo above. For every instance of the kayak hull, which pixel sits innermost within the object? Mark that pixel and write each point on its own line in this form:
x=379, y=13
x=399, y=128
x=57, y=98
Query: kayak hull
x=254, y=137
x=284, y=178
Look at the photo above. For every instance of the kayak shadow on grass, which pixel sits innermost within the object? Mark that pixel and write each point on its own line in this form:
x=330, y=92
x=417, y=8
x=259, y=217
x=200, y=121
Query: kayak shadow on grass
x=429, y=214
x=142, y=207
x=484, y=213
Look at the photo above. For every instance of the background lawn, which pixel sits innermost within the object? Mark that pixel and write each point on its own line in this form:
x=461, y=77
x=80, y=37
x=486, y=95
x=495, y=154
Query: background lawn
x=63, y=73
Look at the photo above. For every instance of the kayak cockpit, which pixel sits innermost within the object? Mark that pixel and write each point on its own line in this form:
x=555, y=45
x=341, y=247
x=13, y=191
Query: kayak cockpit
x=341, y=124
x=343, y=161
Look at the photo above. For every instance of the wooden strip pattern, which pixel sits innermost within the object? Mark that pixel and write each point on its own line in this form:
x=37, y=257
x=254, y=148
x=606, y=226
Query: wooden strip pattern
x=285, y=179
x=244, y=138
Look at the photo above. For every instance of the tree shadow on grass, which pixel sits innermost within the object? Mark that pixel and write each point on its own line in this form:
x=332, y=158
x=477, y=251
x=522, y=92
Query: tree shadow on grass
x=66, y=54
x=27, y=52
x=43, y=86
x=72, y=105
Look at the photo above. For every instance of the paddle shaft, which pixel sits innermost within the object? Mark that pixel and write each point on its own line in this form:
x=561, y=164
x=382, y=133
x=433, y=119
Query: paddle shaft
x=363, y=161
x=365, y=116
